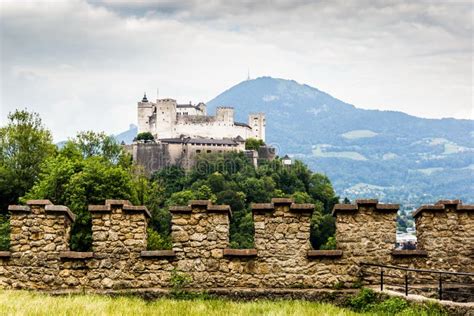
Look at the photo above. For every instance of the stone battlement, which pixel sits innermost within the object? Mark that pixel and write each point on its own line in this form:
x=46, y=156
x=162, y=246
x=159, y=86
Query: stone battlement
x=40, y=258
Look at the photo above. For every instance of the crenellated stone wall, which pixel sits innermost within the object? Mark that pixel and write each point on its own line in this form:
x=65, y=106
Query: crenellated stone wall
x=445, y=235
x=39, y=257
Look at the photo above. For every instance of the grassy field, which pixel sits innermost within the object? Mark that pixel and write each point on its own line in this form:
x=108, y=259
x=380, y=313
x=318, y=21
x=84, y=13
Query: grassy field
x=31, y=303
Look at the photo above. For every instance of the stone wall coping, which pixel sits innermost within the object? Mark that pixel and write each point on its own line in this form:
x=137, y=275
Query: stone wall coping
x=441, y=206
x=366, y=201
x=355, y=207
x=76, y=255
x=432, y=208
x=117, y=202
x=283, y=201
x=157, y=253
x=199, y=203
x=60, y=210
x=344, y=207
x=448, y=202
x=5, y=254
x=19, y=208
x=302, y=207
x=38, y=202
x=465, y=208
x=220, y=209
x=262, y=206
x=240, y=252
x=409, y=253
x=137, y=208
x=387, y=207
x=99, y=208
x=126, y=207
x=324, y=253
x=180, y=209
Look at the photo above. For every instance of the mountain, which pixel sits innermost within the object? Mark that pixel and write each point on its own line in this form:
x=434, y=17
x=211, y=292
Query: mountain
x=127, y=136
x=366, y=153
x=388, y=155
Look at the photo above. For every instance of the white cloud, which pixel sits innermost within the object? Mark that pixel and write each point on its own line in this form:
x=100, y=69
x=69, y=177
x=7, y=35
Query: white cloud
x=84, y=65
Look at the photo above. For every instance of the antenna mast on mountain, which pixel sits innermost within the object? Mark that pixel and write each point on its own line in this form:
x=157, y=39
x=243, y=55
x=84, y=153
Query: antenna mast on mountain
x=248, y=74
x=157, y=93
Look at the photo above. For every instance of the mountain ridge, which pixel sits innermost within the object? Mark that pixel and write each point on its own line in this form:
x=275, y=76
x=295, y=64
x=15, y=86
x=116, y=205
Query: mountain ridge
x=387, y=154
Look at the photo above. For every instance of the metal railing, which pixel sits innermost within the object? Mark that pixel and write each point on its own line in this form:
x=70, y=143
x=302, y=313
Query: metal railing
x=441, y=278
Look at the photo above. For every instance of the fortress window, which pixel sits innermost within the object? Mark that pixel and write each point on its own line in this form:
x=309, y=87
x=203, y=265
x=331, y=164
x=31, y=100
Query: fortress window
x=209, y=151
x=198, y=151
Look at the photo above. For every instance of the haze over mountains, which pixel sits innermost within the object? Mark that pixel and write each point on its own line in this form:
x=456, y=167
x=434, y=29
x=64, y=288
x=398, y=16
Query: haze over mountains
x=366, y=153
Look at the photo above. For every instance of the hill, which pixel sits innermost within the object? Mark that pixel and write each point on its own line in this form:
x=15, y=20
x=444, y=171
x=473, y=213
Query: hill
x=366, y=153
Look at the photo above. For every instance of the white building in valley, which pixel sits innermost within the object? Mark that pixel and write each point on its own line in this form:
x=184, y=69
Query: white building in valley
x=166, y=119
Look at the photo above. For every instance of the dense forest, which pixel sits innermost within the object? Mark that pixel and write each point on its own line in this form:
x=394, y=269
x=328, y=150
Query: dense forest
x=92, y=167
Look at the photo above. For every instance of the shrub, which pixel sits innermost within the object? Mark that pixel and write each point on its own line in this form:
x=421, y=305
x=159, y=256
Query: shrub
x=391, y=306
x=363, y=301
x=145, y=136
x=156, y=241
x=4, y=233
x=178, y=283
x=330, y=244
x=253, y=143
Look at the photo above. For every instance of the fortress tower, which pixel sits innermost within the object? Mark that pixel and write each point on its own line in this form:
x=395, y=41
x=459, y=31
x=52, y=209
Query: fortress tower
x=257, y=124
x=144, y=112
x=225, y=114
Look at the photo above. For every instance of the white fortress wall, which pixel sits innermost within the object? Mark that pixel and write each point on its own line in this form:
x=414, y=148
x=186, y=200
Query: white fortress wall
x=167, y=119
x=210, y=129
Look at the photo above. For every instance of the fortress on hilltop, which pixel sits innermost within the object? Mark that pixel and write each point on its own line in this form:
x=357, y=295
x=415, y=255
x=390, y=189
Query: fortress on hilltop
x=182, y=131
x=167, y=119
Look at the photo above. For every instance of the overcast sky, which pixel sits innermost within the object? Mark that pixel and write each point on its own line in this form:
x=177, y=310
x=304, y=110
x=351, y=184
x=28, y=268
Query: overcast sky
x=84, y=64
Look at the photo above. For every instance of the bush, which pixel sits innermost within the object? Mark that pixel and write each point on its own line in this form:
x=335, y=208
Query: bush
x=253, y=143
x=178, y=283
x=369, y=301
x=4, y=233
x=145, y=136
x=157, y=242
x=363, y=301
x=391, y=306
x=330, y=244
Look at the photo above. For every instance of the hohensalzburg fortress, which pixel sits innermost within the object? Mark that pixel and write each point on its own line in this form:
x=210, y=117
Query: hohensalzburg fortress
x=183, y=131
x=166, y=119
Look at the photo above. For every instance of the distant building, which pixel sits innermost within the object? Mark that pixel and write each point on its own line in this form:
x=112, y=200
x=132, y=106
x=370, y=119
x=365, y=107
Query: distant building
x=182, y=131
x=166, y=119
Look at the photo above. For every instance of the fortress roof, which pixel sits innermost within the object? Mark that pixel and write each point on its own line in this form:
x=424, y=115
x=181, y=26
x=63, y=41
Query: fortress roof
x=199, y=141
x=183, y=106
x=241, y=124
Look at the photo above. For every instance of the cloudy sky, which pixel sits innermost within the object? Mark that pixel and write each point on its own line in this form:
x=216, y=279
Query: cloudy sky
x=84, y=64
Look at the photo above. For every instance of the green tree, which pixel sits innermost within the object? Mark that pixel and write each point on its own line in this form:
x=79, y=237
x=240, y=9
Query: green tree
x=301, y=197
x=323, y=226
x=145, y=136
x=88, y=170
x=172, y=178
x=24, y=145
x=253, y=143
x=205, y=193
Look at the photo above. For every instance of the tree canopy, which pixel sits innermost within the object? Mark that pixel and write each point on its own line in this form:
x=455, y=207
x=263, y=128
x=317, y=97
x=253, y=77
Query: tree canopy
x=24, y=145
x=92, y=167
x=253, y=143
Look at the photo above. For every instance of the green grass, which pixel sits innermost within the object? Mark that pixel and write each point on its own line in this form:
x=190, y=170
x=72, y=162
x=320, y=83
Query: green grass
x=31, y=303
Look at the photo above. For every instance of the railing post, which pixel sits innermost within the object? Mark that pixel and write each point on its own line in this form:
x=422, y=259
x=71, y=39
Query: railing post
x=406, y=283
x=381, y=280
x=440, y=289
